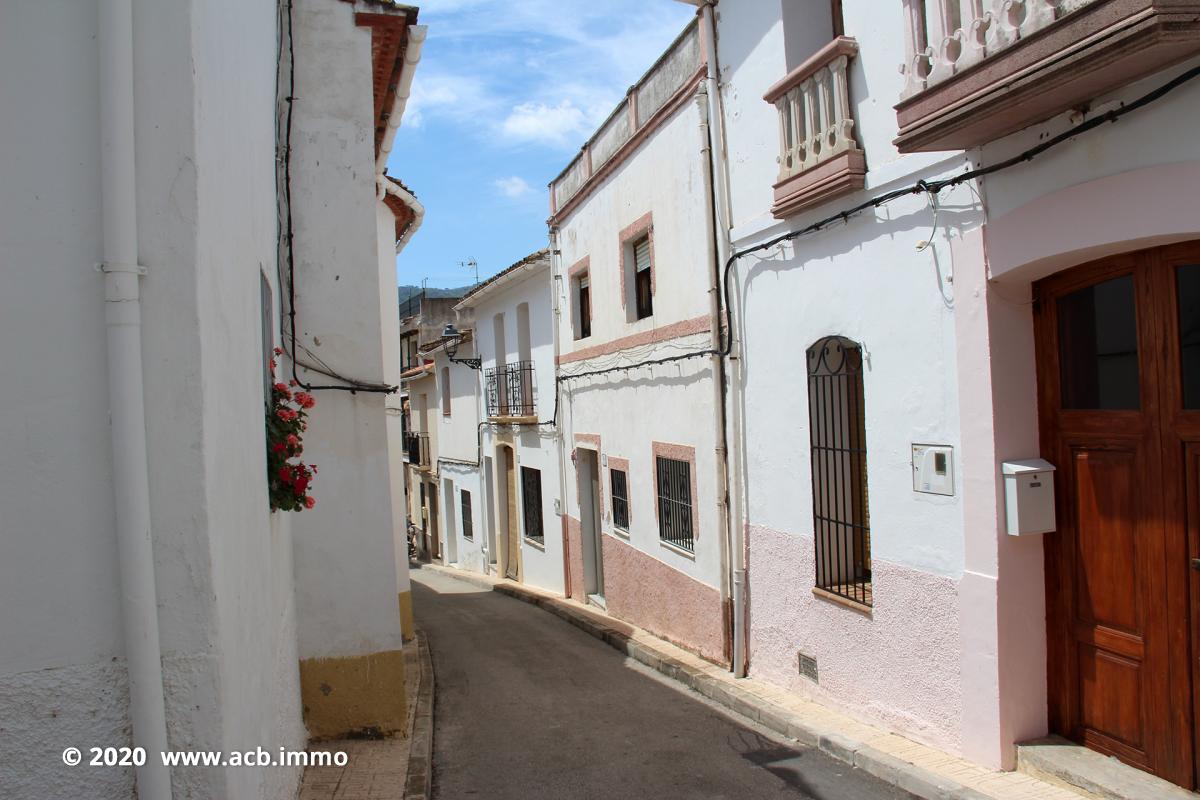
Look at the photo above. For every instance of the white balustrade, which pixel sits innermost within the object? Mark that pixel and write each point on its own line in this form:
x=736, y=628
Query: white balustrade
x=945, y=37
x=815, y=122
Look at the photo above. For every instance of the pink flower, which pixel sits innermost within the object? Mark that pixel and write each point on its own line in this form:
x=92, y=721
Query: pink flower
x=305, y=399
x=286, y=414
x=309, y=502
x=293, y=440
x=301, y=485
x=278, y=351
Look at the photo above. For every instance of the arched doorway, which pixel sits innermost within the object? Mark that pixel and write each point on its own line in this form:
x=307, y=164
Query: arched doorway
x=1118, y=344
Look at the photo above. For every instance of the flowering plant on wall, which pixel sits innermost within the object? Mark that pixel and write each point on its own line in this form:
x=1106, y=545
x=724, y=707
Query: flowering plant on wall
x=288, y=478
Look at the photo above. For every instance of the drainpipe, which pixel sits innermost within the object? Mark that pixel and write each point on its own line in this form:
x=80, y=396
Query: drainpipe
x=716, y=361
x=719, y=196
x=555, y=279
x=412, y=55
x=123, y=323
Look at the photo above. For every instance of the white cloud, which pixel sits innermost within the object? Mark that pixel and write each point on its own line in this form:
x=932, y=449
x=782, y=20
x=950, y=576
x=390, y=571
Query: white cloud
x=513, y=187
x=558, y=125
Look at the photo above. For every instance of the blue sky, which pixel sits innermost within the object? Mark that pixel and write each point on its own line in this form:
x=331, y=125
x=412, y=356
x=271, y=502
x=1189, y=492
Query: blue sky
x=504, y=96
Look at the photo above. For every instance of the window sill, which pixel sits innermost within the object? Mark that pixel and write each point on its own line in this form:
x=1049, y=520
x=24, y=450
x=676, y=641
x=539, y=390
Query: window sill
x=846, y=602
x=679, y=550
x=620, y=533
x=540, y=545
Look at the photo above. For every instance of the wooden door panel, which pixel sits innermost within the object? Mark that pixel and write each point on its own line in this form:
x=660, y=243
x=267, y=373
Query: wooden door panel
x=1111, y=703
x=1106, y=589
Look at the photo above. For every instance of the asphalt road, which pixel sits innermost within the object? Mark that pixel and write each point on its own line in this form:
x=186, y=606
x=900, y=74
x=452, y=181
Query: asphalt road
x=528, y=706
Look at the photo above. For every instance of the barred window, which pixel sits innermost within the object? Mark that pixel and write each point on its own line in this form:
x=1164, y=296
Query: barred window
x=467, y=522
x=675, y=503
x=837, y=430
x=531, y=490
x=620, y=498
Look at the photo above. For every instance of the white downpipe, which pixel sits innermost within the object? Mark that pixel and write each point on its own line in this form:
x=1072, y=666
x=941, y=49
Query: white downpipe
x=555, y=275
x=123, y=322
x=410, y=200
x=412, y=55
x=721, y=203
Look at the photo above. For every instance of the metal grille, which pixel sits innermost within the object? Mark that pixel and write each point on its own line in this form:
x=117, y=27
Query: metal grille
x=531, y=492
x=620, y=498
x=510, y=390
x=675, y=503
x=416, y=447
x=837, y=427
x=467, y=522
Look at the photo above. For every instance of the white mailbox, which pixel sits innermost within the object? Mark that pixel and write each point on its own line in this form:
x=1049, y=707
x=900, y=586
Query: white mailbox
x=1029, y=496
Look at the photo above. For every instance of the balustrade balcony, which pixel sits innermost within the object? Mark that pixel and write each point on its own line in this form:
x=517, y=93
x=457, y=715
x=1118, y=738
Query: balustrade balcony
x=510, y=392
x=977, y=70
x=819, y=157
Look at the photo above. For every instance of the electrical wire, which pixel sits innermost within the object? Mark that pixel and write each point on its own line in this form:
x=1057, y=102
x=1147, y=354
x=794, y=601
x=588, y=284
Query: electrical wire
x=347, y=384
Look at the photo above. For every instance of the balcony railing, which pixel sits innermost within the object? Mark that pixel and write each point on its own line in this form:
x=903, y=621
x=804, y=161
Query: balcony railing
x=416, y=449
x=819, y=157
x=510, y=390
x=976, y=70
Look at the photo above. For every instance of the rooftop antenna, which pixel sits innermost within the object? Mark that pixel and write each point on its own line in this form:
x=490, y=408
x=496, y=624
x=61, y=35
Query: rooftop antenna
x=471, y=264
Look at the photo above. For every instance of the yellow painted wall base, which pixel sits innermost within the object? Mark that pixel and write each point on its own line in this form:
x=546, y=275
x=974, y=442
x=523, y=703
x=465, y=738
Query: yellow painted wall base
x=354, y=695
x=407, y=627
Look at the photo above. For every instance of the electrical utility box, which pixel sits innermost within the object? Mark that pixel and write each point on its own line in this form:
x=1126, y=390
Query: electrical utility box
x=933, y=469
x=1029, y=496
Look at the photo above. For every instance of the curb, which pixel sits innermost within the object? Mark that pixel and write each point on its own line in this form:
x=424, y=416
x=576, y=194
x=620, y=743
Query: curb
x=419, y=783
x=915, y=780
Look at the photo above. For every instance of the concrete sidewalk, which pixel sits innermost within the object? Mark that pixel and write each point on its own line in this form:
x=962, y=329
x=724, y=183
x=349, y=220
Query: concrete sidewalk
x=395, y=768
x=915, y=768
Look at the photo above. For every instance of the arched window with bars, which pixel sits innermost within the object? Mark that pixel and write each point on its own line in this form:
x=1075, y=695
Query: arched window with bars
x=838, y=438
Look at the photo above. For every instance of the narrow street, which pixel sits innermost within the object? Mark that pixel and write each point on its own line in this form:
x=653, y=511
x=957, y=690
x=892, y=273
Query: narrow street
x=527, y=706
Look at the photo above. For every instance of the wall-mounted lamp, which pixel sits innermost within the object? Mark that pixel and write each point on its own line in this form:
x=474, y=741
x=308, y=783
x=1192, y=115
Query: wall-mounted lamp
x=453, y=338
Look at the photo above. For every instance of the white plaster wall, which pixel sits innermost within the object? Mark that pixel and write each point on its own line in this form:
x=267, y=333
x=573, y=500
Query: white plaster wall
x=206, y=216
x=457, y=432
x=663, y=177
x=671, y=403
x=385, y=223
x=534, y=446
x=471, y=553
x=346, y=565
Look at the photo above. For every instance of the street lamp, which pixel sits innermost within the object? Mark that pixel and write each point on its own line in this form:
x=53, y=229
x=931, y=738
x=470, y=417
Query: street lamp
x=452, y=338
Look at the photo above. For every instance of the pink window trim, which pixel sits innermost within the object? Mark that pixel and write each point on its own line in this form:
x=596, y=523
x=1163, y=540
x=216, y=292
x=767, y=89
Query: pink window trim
x=679, y=452
x=579, y=267
x=642, y=225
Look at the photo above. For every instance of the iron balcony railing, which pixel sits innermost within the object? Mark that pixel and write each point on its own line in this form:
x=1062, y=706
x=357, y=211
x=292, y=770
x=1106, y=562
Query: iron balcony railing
x=511, y=391
x=416, y=448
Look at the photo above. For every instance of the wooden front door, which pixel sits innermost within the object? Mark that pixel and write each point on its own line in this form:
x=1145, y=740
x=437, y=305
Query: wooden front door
x=1119, y=385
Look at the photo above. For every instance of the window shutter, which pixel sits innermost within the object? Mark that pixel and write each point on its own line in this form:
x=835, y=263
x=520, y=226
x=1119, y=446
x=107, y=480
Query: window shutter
x=641, y=254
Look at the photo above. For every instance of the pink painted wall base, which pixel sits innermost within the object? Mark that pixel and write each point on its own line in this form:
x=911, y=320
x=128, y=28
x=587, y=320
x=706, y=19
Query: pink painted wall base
x=898, y=666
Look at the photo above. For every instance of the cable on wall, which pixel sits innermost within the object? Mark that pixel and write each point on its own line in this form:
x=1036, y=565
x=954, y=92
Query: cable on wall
x=346, y=384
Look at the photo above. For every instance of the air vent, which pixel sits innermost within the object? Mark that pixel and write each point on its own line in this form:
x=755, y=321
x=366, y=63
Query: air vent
x=808, y=667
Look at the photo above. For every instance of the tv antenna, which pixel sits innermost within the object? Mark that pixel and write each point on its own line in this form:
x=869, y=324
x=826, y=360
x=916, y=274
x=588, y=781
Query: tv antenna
x=473, y=265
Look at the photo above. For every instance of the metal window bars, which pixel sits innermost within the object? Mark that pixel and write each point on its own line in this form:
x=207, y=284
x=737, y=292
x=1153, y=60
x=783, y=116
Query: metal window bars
x=416, y=448
x=620, y=498
x=675, y=503
x=531, y=492
x=837, y=429
x=510, y=390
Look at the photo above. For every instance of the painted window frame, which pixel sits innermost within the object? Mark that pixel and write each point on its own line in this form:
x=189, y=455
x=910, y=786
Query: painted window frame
x=687, y=455
x=630, y=236
x=582, y=315
x=532, y=511
x=620, y=465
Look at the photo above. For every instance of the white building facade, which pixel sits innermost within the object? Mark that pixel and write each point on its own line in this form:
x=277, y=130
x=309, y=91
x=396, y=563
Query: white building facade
x=639, y=390
x=148, y=594
x=517, y=521
x=918, y=333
